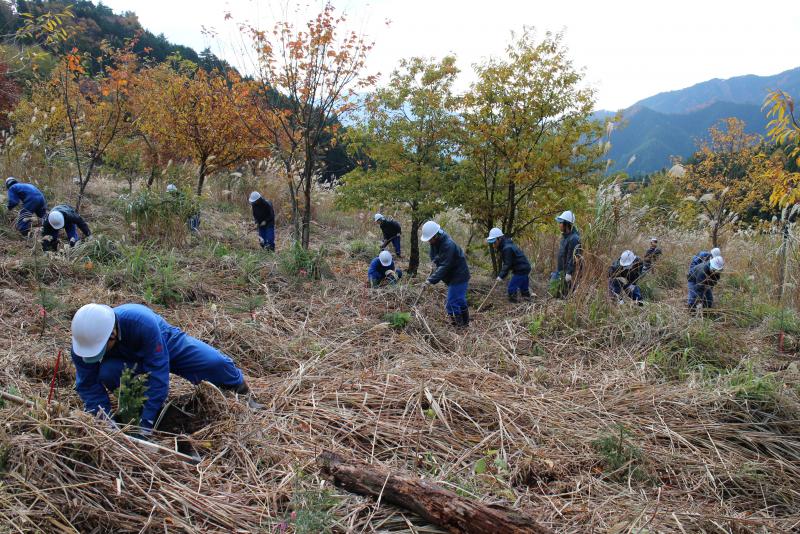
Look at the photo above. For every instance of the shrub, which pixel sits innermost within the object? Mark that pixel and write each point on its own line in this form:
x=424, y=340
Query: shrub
x=620, y=457
x=302, y=263
x=130, y=397
x=397, y=320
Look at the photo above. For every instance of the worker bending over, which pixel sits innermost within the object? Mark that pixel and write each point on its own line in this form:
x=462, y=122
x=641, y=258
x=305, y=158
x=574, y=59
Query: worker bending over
x=513, y=261
x=106, y=340
x=63, y=216
x=702, y=279
x=702, y=257
x=32, y=200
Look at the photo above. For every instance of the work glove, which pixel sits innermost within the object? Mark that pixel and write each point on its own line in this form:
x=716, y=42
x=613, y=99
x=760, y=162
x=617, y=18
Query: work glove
x=428, y=282
x=568, y=278
x=261, y=240
x=499, y=279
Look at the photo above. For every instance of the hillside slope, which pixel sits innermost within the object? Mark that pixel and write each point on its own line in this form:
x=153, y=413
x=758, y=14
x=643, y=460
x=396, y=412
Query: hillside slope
x=584, y=415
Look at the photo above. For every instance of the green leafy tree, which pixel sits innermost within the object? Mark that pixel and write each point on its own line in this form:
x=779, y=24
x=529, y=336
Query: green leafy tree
x=528, y=139
x=407, y=143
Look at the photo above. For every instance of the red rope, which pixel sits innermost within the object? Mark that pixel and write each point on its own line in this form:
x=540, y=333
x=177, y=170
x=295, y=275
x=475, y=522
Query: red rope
x=53, y=381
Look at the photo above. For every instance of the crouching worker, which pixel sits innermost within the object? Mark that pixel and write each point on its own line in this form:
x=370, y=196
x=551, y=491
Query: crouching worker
x=32, y=200
x=451, y=268
x=63, y=216
x=702, y=279
x=515, y=262
x=623, y=276
x=106, y=340
x=382, y=270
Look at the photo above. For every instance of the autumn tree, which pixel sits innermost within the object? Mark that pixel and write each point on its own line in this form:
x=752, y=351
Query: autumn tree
x=408, y=136
x=88, y=109
x=316, y=72
x=528, y=138
x=193, y=116
x=784, y=130
x=724, y=180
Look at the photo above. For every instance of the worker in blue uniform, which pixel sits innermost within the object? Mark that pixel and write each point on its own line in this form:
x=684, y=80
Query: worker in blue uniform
x=106, y=340
x=702, y=279
x=514, y=261
x=32, y=200
x=391, y=231
x=383, y=271
x=451, y=268
x=702, y=257
x=264, y=216
x=63, y=216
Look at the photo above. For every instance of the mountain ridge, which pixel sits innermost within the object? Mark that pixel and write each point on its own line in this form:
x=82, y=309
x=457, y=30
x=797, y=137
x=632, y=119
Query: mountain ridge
x=669, y=124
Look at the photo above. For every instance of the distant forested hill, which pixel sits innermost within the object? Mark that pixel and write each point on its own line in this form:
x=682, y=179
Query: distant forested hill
x=94, y=24
x=668, y=124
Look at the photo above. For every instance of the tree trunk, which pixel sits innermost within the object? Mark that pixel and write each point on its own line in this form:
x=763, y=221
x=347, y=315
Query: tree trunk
x=715, y=234
x=84, y=181
x=201, y=178
x=413, y=257
x=152, y=177
x=435, y=504
x=307, y=210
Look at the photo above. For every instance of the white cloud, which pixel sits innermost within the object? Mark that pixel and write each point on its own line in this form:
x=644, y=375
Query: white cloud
x=630, y=49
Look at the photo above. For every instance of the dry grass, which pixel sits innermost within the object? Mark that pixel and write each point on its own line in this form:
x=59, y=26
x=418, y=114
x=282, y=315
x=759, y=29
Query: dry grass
x=530, y=400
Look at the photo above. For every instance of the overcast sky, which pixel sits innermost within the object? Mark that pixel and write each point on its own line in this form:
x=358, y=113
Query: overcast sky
x=629, y=49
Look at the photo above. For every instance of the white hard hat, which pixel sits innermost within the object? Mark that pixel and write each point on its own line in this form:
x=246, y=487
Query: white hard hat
x=494, y=235
x=429, y=229
x=626, y=259
x=91, y=328
x=716, y=252
x=717, y=263
x=654, y=240
x=386, y=258
x=255, y=195
x=56, y=219
x=171, y=188
x=567, y=217
x=10, y=181
x=379, y=217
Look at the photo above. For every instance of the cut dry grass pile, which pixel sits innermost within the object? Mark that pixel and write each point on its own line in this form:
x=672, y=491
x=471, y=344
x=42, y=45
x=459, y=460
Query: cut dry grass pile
x=558, y=409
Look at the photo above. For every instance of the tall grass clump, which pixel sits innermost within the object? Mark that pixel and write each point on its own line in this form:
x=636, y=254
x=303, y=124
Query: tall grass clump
x=298, y=262
x=160, y=216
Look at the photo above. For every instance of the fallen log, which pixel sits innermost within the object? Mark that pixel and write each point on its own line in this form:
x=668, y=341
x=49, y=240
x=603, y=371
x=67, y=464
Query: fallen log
x=437, y=505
